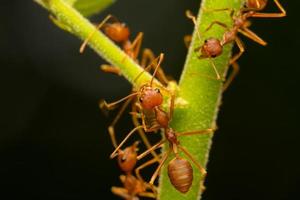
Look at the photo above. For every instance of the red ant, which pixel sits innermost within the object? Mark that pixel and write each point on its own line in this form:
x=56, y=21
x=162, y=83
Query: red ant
x=213, y=47
x=150, y=99
x=180, y=170
x=119, y=33
x=133, y=186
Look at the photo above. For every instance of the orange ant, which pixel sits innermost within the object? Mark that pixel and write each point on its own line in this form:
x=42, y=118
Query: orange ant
x=119, y=33
x=133, y=186
x=149, y=101
x=213, y=47
x=180, y=170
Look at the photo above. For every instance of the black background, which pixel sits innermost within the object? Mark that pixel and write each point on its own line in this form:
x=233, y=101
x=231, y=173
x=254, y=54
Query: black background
x=53, y=139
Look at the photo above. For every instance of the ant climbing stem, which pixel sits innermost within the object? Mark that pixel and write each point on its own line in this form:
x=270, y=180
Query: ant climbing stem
x=214, y=51
x=133, y=186
x=149, y=99
x=179, y=169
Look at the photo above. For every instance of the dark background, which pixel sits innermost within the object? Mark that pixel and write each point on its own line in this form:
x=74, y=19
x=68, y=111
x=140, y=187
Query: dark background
x=53, y=139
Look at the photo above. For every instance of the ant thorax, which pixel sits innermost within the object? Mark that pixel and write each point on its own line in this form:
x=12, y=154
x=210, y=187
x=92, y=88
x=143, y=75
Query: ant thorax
x=150, y=97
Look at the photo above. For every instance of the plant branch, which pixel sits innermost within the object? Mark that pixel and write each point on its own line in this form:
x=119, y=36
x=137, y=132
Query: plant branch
x=202, y=91
x=70, y=19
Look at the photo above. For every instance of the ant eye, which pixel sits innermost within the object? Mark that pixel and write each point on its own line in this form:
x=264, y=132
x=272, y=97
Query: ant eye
x=205, y=41
x=123, y=159
x=141, y=99
x=157, y=90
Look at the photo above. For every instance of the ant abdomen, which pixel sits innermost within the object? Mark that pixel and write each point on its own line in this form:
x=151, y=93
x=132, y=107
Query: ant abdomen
x=180, y=173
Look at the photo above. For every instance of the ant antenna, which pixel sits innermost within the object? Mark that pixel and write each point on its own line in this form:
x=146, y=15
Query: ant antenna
x=82, y=47
x=119, y=101
x=114, y=153
x=190, y=15
x=160, y=57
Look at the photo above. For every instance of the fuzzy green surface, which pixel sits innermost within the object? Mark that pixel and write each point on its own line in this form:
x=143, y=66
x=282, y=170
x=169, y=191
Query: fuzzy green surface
x=75, y=23
x=199, y=87
x=91, y=7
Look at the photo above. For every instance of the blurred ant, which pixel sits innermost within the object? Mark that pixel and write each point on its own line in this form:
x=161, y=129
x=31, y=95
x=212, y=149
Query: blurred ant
x=259, y=5
x=119, y=33
x=132, y=186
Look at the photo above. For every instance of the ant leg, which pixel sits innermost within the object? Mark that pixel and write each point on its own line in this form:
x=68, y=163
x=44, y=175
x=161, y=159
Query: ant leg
x=103, y=104
x=215, y=68
x=232, y=75
x=221, y=24
x=157, y=145
x=121, y=192
x=198, y=132
x=148, y=55
x=248, y=33
x=144, y=165
x=190, y=15
x=171, y=108
x=187, y=39
x=148, y=195
x=241, y=48
x=142, y=133
x=111, y=128
x=82, y=47
x=219, y=9
x=163, y=160
x=202, y=170
x=114, y=153
x=136, y=45
x=282, y=12
x=159, y=58
x=111, y=69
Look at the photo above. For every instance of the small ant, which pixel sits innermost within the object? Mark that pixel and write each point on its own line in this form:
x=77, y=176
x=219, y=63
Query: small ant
x=119, y=33
x=133, y=186
x=213, y=47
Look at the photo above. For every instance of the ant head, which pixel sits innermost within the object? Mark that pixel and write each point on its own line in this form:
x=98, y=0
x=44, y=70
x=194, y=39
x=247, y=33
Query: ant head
x=127, y=158
x=256, y=4
x=211, y=48
x=117, y=31
x=150, y=97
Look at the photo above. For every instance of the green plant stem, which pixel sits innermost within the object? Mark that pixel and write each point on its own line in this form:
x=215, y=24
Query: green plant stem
x=70, y=19
x=199, y=87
